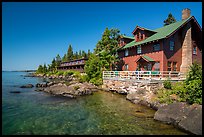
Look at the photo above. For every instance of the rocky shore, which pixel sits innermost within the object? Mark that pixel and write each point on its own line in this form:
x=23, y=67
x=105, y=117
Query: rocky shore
x=67, y=86
x=179, y=114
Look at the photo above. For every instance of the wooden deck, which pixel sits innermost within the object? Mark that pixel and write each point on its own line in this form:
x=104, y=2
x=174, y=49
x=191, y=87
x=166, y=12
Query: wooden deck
x=143, y=75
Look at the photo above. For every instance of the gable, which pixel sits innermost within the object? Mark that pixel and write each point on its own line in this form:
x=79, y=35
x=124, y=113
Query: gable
x=161, y=33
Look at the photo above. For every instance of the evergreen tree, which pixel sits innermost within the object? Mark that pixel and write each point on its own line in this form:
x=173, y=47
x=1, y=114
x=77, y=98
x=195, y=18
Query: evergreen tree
x=64, y=58
x=169, y=20
x=40, y=69
x=80, y=54
x=84, y=55
x=70, y=53
x=89, y=53
x=44, y=68
x=58, y=60
x=53, y=65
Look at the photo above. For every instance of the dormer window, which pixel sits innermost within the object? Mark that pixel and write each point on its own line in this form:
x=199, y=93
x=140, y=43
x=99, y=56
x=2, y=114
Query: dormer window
x=126, y=52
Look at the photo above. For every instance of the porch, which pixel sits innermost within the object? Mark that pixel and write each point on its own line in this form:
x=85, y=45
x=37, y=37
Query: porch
x=144, y=75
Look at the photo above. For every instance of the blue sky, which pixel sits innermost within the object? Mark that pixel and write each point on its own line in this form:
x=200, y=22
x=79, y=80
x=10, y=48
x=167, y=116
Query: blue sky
x=34, y=33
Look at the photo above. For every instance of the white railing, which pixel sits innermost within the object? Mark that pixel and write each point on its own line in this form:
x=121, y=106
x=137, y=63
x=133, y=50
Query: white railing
x=143, y=75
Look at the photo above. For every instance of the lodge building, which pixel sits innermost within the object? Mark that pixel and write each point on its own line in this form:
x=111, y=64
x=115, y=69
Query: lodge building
x=77, y=65
x=170, y=48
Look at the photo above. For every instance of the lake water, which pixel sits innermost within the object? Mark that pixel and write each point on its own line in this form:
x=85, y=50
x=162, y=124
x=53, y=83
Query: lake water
x=102, y=113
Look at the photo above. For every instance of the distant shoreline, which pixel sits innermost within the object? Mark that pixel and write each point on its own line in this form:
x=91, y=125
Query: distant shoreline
x=18, y=70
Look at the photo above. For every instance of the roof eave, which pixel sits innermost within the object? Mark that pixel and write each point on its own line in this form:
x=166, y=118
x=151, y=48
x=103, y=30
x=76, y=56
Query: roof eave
x=179, y=27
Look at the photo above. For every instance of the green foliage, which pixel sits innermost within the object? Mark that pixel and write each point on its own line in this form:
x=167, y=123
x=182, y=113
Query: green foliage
x=58, y=60
x=40, y=69
x=97, y=81
x=195, y=72
x=76, y=87
x=64, y=58
x=93, y=69
x=167, y=84
x=194, y=91
x=179, y=89
x=193, y=84
x=68, y=73
x=70, y=53
x=169, y=20
x=190, y=90
x=59, y=73
x=164, y=96
x=83, y=78
x=76, y=74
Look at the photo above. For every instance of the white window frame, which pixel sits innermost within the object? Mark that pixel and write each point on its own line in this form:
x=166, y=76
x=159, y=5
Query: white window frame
x=171, y=45
x=139, y=49
x=194, y=51
x=126, y=53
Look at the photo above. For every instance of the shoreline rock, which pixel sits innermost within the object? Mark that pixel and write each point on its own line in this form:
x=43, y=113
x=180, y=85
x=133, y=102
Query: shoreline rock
x=182, y=115
x=27, y=86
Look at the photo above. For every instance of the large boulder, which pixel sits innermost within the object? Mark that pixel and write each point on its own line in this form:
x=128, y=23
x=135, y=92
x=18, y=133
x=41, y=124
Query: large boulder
x=181, y=115
x=76, y=89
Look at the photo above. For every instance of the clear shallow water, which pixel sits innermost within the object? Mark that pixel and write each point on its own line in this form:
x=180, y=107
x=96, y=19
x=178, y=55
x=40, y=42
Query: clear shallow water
x=32, y=112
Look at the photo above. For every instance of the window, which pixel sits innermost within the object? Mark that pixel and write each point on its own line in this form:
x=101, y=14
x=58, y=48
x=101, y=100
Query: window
x=126, y=67
x=171, y=45
x=149, y=66
x=156, y=47
x=174, y=66
x=139, y=50
x=126, y=52
x=194, y=50
x=138, y=36
x=169, y=66
x=157, y=66
x=141, y=36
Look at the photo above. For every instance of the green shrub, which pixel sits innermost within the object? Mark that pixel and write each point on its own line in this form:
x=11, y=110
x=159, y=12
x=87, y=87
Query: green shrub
x=76, y=87
x=76, y=74
x=83, y=78
x=59, y=73
x=167, y=84
x=97, y=81
x=179, y=89
x=194, y=91
x=164, y=96
x=68, y=73
x=193, y=84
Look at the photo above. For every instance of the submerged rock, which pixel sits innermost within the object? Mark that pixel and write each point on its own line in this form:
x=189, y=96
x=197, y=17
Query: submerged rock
x=27, y=86
x=15, y=92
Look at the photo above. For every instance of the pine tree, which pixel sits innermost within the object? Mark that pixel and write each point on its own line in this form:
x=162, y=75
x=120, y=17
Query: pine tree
x=40, y=69
x=169, y=20
x=89, y=53
x=70, y=53
x=44, y=68
x=58, y=60
x=80, y=54
x=64, y=58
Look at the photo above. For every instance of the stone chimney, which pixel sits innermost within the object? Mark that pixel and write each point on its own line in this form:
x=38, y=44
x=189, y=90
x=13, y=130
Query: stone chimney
x=186, y=13
x=187, y=43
